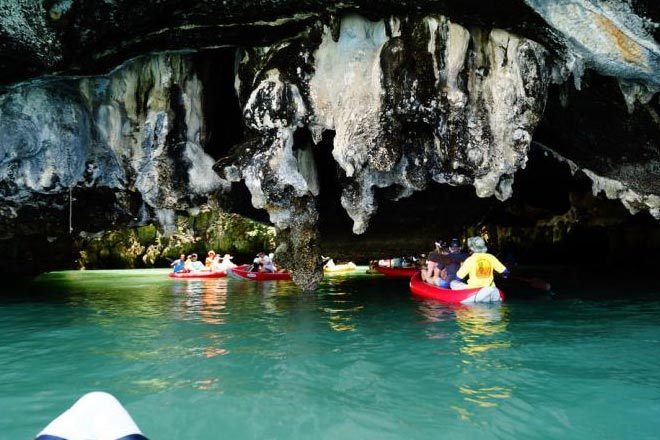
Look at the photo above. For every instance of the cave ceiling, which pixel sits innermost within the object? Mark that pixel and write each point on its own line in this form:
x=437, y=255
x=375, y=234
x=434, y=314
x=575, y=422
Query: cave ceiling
x=159, y=105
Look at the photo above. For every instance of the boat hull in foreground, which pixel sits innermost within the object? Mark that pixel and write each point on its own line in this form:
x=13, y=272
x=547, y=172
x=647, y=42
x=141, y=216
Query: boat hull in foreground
x=464, y=296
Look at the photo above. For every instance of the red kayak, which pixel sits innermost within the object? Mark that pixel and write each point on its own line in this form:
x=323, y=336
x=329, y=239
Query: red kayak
x=197, y=275
x=463, y=296
x=242, y=273
x=403, y=272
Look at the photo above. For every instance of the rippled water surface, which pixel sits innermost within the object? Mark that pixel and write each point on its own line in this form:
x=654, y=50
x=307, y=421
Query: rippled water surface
x=360, y=359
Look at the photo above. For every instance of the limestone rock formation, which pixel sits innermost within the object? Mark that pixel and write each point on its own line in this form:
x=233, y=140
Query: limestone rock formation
x=410, y=100
x=135, y=134
x=103, y=125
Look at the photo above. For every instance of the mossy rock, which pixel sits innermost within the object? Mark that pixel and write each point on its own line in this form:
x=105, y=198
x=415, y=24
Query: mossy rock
x=146, y=246
x=147, y=235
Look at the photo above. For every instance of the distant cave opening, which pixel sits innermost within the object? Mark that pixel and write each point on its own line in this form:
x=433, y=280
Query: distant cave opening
x=223, y=118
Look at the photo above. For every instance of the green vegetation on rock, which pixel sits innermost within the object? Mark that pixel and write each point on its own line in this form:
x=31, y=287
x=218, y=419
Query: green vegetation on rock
x=147, y=246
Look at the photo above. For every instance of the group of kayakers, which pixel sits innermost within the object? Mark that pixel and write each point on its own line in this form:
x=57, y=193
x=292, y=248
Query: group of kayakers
x=448, y=265
x=216, y=263
x=213, y=263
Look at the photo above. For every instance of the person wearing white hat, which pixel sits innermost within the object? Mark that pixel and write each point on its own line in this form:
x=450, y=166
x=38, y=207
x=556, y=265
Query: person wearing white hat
x=223, y=263
x=210, y=259
x=478, y=267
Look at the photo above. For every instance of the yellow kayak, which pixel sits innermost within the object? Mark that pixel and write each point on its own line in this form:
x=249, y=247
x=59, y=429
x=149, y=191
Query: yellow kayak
x=330, y=266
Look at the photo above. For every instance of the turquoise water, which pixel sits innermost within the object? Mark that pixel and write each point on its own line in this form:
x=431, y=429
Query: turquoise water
x=360, y=359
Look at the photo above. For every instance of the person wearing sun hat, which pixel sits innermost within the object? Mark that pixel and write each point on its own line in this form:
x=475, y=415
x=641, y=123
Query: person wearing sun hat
x=226, y=260
x=478, y=267
x=210, y=259
x=223, y=263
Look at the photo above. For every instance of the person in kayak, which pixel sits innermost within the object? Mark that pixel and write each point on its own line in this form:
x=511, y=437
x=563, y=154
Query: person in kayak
x=431, y=274
x=179, y=265
x=265, y=263
x=478, y=267
x=209, y=260
x=223, y=263
x=194, y=265
x=452, y=261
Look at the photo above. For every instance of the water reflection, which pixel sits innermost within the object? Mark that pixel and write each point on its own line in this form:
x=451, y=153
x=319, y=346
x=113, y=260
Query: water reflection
x=341, y=310
x=434, y=311
x=206, y=301
x=271, y=297
x=435, y=314
x=214, y=349
x=484, y=396
x=480, y=325
x=343, y=319
x=150, y=386
x=208, y=384
x=214, y=304
x=482, y=339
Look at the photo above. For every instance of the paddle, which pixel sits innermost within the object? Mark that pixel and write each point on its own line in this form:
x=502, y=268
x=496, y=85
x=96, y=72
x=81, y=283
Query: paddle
x=535, y=283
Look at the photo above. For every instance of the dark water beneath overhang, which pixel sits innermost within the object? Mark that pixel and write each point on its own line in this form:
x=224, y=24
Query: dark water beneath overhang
x=360, y=359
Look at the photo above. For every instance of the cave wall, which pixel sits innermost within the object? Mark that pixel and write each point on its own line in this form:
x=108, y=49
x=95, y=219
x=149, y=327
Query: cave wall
x=411, y=96
x=138, y=129
x=94, y=153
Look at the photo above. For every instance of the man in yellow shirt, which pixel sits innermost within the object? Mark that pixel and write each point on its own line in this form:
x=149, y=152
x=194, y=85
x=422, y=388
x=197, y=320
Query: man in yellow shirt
x=479, y=266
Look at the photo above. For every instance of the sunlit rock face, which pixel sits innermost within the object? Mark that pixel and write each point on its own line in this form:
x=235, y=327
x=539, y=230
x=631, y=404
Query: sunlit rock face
x=608, y=36
x=148, y=117
x=135, y=134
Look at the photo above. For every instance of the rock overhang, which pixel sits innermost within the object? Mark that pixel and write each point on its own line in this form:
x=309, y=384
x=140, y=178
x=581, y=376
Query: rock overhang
x=438, y=101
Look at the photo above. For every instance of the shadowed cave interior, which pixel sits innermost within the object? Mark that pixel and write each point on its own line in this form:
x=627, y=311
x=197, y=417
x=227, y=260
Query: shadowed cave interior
x=544, y=192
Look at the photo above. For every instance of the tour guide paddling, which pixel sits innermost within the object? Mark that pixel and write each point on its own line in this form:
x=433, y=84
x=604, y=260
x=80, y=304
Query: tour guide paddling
x=479, y=266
